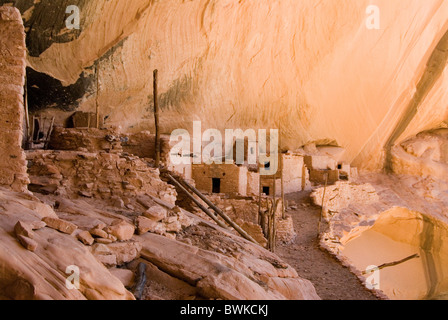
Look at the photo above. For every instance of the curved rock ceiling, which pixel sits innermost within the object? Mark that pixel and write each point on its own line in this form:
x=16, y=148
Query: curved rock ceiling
x=311, y=67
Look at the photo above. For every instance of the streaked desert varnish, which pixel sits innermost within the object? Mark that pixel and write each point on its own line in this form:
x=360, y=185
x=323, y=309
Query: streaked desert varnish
x=313, y=66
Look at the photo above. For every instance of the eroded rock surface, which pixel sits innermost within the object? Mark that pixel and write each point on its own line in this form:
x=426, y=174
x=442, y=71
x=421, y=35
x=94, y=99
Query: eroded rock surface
x=41, y=272
x=219, y=265
x=228, y=63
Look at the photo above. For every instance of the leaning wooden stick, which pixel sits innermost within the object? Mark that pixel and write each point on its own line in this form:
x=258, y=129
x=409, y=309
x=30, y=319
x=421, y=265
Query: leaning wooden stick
x=323, y=205
x=156, y=120
x=220, y=213
x=203, y=208
x=273, y=231
x=393, y=264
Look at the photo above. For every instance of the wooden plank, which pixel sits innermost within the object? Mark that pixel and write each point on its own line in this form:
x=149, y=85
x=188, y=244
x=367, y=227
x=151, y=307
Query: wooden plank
x=323, y=203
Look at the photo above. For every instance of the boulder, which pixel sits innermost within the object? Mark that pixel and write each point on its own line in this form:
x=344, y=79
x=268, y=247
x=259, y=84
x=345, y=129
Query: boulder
x=125, y=252
x=101, y=249
x=121, y=229
x=175, y=227
x=107, y=260
x=37, y=225
x=60, y=225
x=86, y=238
x=156, y=213
x=104, y=255
x=42, y=274
x=103, y=241
x=145, y=225
x=184, y=220
x=27, y=243
x=23, y=229
x=99, y=233
x=217, y=276
x=126, y=277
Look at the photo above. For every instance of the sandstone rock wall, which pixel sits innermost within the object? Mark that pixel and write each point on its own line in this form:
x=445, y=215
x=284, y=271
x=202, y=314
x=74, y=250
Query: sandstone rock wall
x=206, y=263
x=42, y=274
x=312, y=66
x=423, y=155
x=12, y=79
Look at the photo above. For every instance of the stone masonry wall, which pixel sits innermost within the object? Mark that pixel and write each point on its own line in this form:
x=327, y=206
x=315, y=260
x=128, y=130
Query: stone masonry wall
x=12, y=78
x=95, y=175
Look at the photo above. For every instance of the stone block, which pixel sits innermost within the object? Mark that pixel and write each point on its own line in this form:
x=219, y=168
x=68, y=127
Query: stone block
x=86, y=238
x=60, y=225
x=156, y=213
x=27, y=243
x=121, y=229
x=145, y=225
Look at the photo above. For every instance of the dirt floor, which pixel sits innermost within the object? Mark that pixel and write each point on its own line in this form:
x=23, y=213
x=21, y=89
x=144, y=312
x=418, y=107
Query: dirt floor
x=332, y=280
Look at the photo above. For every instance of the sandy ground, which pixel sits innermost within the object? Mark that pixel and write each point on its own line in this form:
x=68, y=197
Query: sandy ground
x=332, y=280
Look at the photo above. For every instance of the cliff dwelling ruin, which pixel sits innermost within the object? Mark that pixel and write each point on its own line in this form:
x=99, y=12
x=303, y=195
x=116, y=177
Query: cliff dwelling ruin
x=333, y=185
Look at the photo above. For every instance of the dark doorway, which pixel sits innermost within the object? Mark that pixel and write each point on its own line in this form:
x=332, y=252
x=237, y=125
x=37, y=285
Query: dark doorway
x=216, y=185
x=266, y=191
x=36, y=132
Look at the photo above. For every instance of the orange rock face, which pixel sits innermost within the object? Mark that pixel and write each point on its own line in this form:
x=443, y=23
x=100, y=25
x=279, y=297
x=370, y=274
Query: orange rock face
x=316, y=68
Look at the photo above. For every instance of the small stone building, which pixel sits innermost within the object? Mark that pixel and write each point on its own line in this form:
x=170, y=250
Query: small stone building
x=245, y=181
x=221, y=178
x=294, y=173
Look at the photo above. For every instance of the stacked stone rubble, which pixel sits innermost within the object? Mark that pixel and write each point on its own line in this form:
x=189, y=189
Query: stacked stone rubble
x=12, y=78
x=95, y=175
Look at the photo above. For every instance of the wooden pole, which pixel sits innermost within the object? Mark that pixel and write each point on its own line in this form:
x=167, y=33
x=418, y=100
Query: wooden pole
x=283, y=199
x=282, y=178
x=206, y=211
x=323, y=203
x=243, y=233
x=270, y=206
x=156, y=119
x=260, y=190
x=97, y=105
x=27, y=116
x=273, y=216
x=274, y=227
x=33, y=129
